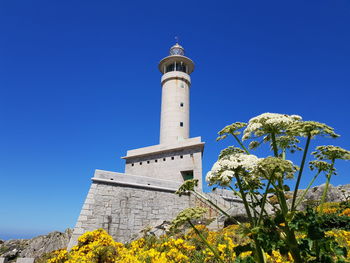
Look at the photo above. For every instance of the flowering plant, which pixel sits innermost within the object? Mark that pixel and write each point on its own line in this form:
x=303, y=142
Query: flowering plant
x=187, y=247
x=253, y=178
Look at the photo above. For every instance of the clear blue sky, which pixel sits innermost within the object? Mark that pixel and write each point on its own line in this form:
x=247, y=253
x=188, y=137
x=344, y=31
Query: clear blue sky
x=80, y=86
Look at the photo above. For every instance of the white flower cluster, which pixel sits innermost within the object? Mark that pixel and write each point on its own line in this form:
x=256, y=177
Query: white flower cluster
x=225, y=169
x=265, y=122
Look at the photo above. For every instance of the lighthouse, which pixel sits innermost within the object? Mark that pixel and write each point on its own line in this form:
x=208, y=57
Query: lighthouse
x=177, y=157
x=176, y=83
x=125, y=203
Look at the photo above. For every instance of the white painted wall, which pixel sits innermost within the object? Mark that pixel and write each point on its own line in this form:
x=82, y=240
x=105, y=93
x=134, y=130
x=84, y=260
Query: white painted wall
x=169, y=165
x=175, y=90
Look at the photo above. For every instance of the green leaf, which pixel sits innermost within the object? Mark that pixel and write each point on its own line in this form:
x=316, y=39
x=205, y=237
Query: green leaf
x=315, y=232
x=243, y=248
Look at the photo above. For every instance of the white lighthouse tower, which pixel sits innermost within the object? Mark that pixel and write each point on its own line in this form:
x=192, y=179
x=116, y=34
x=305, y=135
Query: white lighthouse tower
x=176, y=83
x=125, y=203
x=177, y=157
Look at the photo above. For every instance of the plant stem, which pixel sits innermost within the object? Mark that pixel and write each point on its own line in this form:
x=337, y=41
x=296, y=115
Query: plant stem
x=283, y=201
x=329, y=175
x=274, y=144
x=240, y=143
x=205, y=241
x=306, y=190
x=293, y=245
x=291, y=239
x=259, y=251
x=264, y=202
x=317, y=250
x=216, y=206
x=280, y=198
x=244, y=198
x=239, y=195
x=300, y=172
x=253, y=197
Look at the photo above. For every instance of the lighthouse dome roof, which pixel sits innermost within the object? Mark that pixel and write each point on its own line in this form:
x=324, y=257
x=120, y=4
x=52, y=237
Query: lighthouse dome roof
x=177, y=50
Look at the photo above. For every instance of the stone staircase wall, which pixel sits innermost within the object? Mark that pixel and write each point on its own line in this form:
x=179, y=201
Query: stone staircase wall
x=19, y=260
x=223, y=199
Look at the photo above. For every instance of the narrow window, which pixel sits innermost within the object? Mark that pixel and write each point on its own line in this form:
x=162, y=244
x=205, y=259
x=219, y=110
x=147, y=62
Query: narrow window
x=132, y=164
x=147, y=161
x=181, y=156
x=172, y=158
x=164, y=159
x=140, y=163
x=191, y=154
x=181, y=104
x=181, y=124
x=156, y=161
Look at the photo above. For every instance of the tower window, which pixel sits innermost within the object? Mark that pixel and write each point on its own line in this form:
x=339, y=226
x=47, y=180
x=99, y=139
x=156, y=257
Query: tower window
x=172, y=158
x=181, y=124
x=140, y=163
x=180, y=67
x=181, y=156
x=177, y=66
x=164, y=159
x=155, y=160
x=147, y=161
x=170, y=67
x=181, y=104
x=132, y=164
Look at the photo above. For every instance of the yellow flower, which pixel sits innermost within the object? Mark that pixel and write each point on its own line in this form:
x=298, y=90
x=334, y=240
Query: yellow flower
x=245, y=254
x=346, y=212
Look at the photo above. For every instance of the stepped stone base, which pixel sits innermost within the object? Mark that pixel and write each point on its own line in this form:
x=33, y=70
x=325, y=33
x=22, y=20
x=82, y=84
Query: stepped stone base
x=19, y=260
x=25, y=260
x=124, y=205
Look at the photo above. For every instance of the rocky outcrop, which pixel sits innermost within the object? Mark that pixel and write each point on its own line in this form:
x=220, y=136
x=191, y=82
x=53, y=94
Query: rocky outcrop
x=35, y=247
x=334, y=194
x=234, y=206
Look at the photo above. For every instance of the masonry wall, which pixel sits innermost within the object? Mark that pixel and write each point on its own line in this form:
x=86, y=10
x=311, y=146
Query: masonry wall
x=168, y=165
x=123, y=209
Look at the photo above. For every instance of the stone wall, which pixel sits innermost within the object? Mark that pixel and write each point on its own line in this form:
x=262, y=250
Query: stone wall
x=19, y=260
x=124, y=205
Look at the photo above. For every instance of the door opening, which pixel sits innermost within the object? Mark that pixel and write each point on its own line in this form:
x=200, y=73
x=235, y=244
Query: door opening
x=187, y=175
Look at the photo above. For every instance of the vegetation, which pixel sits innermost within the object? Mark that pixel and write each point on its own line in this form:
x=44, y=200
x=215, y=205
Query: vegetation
x=252, y=179
x=317, y=235
x=231, y=244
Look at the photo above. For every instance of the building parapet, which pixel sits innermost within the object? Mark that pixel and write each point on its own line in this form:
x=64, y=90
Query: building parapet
x=135, y=181
x=162, y=148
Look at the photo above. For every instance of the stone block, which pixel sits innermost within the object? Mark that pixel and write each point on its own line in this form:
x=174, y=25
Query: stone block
x=86, y=212
x=78, y=231
x=89, y=201
x=86, y=206
x=82, y=218
x=25, y=260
